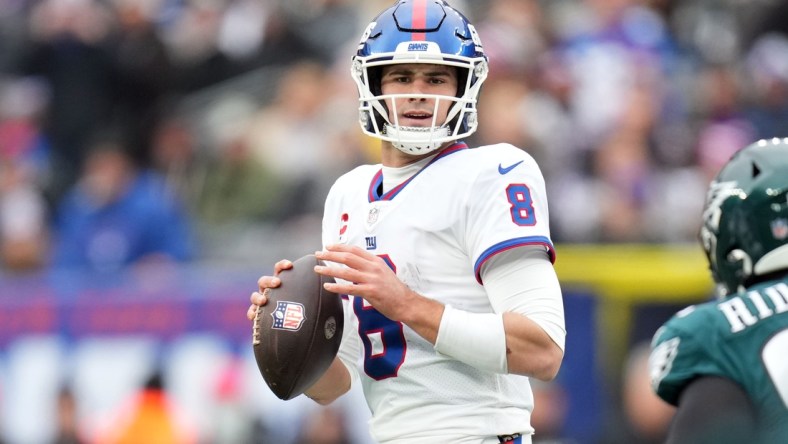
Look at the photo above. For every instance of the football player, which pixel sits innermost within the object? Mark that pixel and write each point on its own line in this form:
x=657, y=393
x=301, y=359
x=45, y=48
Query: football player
x=724, y=363
x=443, y=251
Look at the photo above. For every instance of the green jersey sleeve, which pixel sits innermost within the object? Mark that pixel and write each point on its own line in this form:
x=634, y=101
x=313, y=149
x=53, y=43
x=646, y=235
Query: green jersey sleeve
x=679, y=355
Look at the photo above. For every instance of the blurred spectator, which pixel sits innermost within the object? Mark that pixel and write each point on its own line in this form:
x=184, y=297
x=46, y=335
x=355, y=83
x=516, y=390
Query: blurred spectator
x=193, y=42
x=294, y=134
x=724, y=128
x=325, y=25
x=549, y=415
x=645, y=418
x=238, y=187
x=117, y=215
x=174, y=155
x=243, y=28
x=12, y=33
x=325, y=425
x=513, y=36
x=234, y=423
x=69, y=52
x=149, y=417
x=495, y=127
x=648, y=415
x=773, y=19
x=23, y=101
x=68, y=429
x=767, y=67
x=24, y=229
x=610, y=46
x=143, y=71
x=547, y=119
x=258, y=34
x=623, y=165
x=24, y=215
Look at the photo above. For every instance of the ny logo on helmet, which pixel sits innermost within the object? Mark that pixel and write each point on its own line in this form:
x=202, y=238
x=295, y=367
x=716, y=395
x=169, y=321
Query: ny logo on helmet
x=365, y=36
x=477, y=41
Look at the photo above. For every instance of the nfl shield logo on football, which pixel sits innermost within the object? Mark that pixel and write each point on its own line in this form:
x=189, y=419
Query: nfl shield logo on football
x=288, y=316
x=779, y=228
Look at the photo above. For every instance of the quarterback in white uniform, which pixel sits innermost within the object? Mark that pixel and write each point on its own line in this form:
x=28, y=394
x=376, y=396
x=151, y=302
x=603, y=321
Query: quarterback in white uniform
x=443, y=251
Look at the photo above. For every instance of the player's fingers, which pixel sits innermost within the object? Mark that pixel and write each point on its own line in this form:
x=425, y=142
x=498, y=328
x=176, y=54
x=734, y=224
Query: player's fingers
x=284, y=264
x=259, y=298
x=268, y=282
x=349, y=258
x=352, y=289
x=251, y=312
x=348, y=274
x=357, y=251
x=333, y=256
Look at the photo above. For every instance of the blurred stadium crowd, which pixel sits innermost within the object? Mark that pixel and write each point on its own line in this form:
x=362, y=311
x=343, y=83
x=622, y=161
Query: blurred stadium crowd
x=137, y=132
x=241, y=112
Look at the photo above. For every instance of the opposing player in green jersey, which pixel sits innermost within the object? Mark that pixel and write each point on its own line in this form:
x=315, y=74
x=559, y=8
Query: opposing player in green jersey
x=724, y=364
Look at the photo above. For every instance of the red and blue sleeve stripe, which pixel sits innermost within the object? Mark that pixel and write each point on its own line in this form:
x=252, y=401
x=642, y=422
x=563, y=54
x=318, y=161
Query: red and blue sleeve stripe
x=508, y=245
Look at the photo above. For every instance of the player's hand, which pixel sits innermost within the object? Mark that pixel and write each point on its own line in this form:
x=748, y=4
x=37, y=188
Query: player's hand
x=367, y=276
x=260, y=297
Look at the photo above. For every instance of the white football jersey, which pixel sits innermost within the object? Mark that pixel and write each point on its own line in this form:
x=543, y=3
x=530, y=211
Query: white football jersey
x=436, y=230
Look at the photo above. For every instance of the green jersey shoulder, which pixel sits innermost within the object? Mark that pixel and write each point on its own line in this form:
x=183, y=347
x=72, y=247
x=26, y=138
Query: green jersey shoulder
x=743, y=338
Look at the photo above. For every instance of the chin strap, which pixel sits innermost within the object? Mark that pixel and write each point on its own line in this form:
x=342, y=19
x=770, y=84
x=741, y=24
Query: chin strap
x=417, y=140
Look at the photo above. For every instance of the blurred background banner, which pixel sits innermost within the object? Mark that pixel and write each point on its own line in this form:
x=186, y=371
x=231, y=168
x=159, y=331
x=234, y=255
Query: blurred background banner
x=163, y=304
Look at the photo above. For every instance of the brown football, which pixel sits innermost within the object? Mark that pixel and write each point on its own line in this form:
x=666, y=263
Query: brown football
x=296, y=334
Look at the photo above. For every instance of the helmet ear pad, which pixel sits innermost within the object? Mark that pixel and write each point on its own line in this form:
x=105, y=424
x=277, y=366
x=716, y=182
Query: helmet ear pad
x=375, y=77
x=462, y=80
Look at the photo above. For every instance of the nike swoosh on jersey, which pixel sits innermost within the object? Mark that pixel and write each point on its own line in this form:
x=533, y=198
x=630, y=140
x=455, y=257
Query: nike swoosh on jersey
x=503, y=170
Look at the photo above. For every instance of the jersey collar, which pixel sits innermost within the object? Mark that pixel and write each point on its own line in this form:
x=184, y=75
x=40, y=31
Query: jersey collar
x=377, y=179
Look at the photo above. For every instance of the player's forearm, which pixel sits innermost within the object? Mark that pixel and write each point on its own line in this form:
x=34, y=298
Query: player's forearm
x=529, y=349
x=500, y=343
x=334, y=383
x=522, y=284
x=423, y=315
